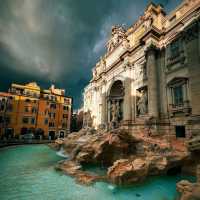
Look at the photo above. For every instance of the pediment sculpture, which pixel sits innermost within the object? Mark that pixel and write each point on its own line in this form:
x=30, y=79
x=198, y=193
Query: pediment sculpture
x=148, y=21
x=118, y=35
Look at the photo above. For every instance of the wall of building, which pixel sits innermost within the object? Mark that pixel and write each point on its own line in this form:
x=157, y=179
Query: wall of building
x=32, y=110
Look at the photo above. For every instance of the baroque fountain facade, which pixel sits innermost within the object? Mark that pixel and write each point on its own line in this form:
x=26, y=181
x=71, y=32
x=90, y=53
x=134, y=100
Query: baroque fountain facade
x=148, y=80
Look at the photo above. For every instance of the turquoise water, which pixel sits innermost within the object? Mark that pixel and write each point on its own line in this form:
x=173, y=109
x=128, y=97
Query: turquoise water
x=27, y=173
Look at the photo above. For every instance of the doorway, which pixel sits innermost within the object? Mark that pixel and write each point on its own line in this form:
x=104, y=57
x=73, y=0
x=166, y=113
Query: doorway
x=52, y=135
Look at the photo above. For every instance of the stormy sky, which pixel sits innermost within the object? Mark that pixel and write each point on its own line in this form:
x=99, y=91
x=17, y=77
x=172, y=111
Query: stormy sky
x=59, y=41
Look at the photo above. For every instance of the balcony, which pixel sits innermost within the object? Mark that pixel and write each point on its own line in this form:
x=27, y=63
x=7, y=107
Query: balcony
x=182, y=108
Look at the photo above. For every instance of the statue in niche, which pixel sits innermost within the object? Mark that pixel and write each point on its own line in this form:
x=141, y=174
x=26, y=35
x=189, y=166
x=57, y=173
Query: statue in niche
x=142, y=102
x=88, y=121
x=118, y=34
x=115, y=114
x=115, y=111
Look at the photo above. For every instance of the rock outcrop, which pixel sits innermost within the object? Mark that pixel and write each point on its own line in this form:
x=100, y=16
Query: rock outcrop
x=129, y=158
x=188, y=190
x=73, y=169
x=128, y=171
x=101, y=148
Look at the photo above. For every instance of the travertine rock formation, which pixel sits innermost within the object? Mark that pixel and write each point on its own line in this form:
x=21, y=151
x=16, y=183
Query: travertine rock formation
x=73, y=169
x=127, y=171
x=130, y=159
x=188, y=190
x=102, y=148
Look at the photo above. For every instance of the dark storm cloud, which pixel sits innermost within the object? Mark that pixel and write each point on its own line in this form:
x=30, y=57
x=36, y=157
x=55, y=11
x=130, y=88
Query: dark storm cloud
x=59, y=41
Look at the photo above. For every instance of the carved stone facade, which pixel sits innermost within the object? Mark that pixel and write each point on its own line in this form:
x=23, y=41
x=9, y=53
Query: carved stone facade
x=150, y=73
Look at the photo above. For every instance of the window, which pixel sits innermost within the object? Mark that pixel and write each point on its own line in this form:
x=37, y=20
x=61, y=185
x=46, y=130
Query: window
x=2, y=107
x=32, y=120
x=46, y=112
x=66, y=100
x=34, y=110
x=179, y=91
x=9, y=107
x=64, y=125
x=65, y=116
x=25, y=120
x=46, y=121
x=179, y=99
x=7, y=120
x=26, y=109
x=53, y=106
x=51, y=124
x=175, y=49
x=35, y=95
x=28, y=100
x=53, y=98
x=65, y=108
x=1, y=119
x=178, y=95
x=52, y=115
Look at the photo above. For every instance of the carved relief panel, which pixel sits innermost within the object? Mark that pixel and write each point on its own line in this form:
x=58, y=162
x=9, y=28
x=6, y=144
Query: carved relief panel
x=118, y=35
x=140, y=72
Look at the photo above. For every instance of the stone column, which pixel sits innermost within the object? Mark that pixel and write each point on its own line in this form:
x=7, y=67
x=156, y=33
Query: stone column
x=133, y=98
x=103, y=109
x=127, y=99
x=152, y=82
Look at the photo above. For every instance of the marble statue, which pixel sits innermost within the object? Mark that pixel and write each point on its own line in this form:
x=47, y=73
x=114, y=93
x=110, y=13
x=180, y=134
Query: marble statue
x=148, y=22
x=115, y=111
x=118, y=34
x=142, y=103
x=88, y=119
x=103, y=63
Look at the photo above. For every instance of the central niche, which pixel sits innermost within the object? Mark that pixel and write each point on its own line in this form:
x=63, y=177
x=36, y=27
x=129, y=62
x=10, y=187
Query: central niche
x=115, y=102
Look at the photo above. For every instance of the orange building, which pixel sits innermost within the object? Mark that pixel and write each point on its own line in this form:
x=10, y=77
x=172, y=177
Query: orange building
x=29, y=109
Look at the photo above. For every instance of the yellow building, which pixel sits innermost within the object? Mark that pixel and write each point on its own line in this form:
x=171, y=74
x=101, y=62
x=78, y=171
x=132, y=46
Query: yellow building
x=30, y=109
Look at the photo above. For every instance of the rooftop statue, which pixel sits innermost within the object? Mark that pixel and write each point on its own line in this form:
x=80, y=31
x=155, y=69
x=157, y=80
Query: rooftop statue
x=103, y=63
x=118, y=35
